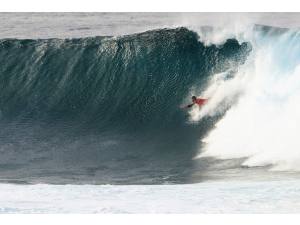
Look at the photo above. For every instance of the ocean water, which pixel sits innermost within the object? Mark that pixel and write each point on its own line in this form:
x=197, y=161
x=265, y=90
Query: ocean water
x=208, y=197
x=91, y=117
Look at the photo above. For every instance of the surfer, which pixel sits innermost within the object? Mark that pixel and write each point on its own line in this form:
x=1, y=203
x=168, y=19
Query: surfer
x=197, y=101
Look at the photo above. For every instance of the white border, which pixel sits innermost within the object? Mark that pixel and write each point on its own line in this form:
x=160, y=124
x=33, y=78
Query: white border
x=209, y=219
x=150, y=6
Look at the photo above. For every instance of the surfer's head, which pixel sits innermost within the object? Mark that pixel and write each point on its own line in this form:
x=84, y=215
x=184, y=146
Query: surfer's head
x=194, y=98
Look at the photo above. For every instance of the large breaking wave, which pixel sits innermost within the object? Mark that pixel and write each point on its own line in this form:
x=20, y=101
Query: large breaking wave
x=107, y=109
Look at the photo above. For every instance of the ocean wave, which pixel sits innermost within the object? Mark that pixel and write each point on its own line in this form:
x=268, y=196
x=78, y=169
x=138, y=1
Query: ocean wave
x=106, y=108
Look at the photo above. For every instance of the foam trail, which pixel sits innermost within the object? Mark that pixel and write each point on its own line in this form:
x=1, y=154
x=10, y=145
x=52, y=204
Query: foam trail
x=264, y=125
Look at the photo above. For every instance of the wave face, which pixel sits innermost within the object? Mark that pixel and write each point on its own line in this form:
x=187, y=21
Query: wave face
x=105, y=109
x=131, y=81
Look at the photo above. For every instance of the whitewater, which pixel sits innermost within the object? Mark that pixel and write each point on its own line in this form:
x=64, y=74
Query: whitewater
x=263, y=125
x=91, y=122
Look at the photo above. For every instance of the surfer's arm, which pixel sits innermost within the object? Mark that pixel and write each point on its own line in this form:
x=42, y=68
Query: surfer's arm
x=189, y=106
